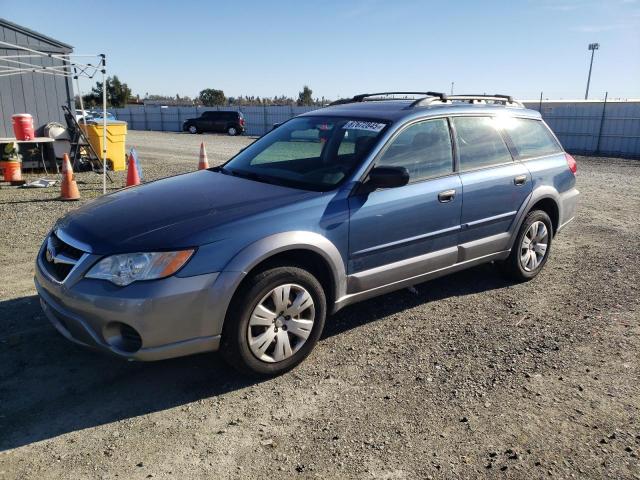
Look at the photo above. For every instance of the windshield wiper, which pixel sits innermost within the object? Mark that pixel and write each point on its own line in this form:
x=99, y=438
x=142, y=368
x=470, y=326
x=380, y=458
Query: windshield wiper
x=262, y=178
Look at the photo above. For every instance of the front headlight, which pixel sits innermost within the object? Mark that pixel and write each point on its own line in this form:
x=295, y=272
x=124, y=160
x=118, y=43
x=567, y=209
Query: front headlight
x=127, y=268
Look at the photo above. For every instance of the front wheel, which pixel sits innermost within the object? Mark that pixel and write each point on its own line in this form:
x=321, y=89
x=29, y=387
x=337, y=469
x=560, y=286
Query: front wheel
x=274, y=321
x=193, y=129
x=531, y=248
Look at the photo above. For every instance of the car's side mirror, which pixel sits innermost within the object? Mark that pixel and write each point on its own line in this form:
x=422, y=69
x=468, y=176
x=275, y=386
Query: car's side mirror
x=387, y=177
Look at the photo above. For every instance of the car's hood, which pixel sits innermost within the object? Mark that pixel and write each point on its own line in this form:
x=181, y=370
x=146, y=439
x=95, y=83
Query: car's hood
x=173, y=212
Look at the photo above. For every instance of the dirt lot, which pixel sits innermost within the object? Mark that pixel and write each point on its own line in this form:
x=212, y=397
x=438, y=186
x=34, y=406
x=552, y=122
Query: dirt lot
x=469, y=377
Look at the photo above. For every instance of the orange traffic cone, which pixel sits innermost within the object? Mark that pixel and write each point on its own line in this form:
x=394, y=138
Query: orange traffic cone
x=69, y=188
x=204, y=161
x=132, y=172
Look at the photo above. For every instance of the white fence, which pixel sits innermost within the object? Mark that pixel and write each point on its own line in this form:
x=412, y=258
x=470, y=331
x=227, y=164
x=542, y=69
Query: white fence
x=600, y=128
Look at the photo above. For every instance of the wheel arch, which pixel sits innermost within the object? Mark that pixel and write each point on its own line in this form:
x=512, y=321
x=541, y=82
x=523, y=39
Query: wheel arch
x=550, y=207
x=308, y=250
x=543, y=198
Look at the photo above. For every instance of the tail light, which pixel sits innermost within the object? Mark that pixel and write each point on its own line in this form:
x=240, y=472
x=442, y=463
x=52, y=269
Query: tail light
x=241, y=122
x=573, y=165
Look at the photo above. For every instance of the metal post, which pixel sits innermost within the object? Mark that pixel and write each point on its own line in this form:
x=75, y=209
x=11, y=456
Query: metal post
x=604, y=107
x=540, y=105
x=84, y=120
x=452, y=83
x=104, y=124
x=265, y=124
x=593, y=47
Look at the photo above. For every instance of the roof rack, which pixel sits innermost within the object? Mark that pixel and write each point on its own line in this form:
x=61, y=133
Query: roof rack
x=363, y=96
x=436, y=97
x=495, y=98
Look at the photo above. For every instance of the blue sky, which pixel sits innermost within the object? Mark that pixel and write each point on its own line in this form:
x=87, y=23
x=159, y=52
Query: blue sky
x=340, y=48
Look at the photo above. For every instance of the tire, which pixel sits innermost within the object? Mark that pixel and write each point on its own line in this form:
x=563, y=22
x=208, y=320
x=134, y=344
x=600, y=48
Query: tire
x=232, y=131
x=193, y=129
x=521, y=266
x=256, y=330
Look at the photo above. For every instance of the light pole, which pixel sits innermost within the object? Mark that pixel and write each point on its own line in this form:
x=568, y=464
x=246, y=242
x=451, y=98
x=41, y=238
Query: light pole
x=452, y=83
x=593, y=47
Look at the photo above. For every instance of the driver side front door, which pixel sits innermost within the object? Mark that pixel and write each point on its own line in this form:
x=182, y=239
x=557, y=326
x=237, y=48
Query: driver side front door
x=404, y=232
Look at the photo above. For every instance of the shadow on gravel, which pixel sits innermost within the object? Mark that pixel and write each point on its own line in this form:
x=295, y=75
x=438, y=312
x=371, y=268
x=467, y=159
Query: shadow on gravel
x=475, y=280
x=49, y=386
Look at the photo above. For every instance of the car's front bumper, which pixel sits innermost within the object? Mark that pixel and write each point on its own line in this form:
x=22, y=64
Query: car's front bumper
x=148, y=320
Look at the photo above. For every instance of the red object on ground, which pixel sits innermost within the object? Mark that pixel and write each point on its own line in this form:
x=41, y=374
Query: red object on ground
x=204, y=161
x=132, y=172
x=573, y=165
x=12, y=171
x=68, y=187
x=23, y=126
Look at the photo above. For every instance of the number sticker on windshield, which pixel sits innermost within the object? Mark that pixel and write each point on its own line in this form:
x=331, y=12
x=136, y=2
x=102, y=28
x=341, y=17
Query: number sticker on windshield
x=358, y=125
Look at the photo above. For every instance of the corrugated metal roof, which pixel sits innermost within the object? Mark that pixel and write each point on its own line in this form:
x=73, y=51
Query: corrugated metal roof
x=33, y=33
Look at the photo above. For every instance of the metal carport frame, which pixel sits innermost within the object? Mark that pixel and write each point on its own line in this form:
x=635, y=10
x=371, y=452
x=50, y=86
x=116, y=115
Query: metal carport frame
x=16, y=65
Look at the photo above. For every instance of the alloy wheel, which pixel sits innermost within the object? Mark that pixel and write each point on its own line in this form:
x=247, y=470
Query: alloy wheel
x=534, y=246
x=281, y=323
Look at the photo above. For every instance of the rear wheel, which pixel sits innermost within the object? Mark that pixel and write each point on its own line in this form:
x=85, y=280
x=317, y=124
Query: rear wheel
x=233, y=131
x=274, y=321
x=531, y=248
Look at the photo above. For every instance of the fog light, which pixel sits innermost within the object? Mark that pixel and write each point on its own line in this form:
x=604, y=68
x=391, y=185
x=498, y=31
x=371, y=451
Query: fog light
x=123, y=337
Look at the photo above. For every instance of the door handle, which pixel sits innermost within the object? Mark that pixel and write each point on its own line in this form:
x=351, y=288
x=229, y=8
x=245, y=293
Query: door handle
x=520, y=180
x=446, y=196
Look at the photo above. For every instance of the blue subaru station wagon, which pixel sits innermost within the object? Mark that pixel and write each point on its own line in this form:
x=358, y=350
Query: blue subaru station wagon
x=366, y=196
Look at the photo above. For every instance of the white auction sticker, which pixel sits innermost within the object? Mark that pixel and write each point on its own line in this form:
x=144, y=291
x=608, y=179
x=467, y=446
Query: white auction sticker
x=359, y=125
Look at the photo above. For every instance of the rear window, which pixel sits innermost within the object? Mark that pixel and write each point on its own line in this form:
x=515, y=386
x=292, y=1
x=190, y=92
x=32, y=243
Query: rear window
x=530, y=137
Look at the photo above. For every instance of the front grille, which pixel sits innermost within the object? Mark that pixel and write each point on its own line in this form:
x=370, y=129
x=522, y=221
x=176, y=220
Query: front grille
x=59, y=257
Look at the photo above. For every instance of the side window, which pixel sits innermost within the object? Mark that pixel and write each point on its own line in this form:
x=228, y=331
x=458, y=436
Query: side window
x=530, y=137
x=424, y=149
x=479, y=142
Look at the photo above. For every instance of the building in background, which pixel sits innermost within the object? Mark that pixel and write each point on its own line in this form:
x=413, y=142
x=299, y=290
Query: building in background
x=35, y=93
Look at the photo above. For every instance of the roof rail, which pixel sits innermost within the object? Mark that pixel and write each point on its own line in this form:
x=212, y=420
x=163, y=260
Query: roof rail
x=363, y=96
x=496, y=98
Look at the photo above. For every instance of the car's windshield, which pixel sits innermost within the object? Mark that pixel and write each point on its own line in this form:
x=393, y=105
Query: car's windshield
x=314, y=153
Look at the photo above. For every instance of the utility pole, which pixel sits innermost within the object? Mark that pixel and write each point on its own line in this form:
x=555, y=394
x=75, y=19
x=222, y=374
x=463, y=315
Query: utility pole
x=452, y=83
x=593, y=47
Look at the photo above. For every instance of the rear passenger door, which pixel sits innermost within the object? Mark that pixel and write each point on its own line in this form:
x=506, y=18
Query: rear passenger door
x=396, y=233
x=494, y=186
x=207, y=120
x=220, y=122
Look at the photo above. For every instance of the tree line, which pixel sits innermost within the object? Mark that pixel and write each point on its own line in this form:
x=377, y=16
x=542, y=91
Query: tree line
x=119, y=95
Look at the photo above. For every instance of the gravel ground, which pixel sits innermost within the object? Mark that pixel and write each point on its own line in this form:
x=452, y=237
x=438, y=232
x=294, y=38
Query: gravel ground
x=469, y=376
